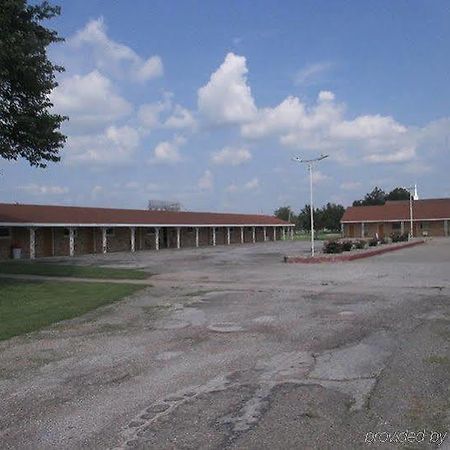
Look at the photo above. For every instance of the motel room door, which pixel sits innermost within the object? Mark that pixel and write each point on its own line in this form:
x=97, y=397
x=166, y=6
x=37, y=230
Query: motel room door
x=381, y=229
x=351, y=230
x=47, y=241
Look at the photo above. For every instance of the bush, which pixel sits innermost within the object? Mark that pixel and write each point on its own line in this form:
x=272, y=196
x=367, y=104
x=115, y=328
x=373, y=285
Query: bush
x=399, y=237
x=383, y=240
x=373, y=242
x=360, y=244
x=347, y=246
x=332, y=247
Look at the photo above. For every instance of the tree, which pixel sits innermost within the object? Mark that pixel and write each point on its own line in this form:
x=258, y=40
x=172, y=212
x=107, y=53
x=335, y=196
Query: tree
x=28, y=129
x=376, y=197
x=379, y=197
x=285, y=213
x=331, y=216
x=398, y=193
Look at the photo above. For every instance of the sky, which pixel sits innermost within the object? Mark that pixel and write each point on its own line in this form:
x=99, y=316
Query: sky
x=207, y=102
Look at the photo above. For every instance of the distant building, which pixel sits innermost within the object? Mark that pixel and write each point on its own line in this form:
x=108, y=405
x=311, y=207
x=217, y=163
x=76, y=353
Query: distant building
x=39, y=230
x=431, y=217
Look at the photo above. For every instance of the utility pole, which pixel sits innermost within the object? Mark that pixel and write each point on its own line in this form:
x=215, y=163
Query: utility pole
x=411, y=189
x=310, y=164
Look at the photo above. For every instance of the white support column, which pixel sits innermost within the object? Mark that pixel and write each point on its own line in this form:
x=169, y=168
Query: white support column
x=265, y=234
x=274, y=234
x=253, y=234
x=133, y=239
x=363, y=230
x=197, y=240
x=71, y=241
x=402, y=227
x=32, y=243
x=156, y=238
x=284, y=233
x=104, y=241
x=228, y=236
x=446, y=228
x=213, y=236
x=242, y=235
x=342, y=230
x=292, y=233
x=178, y=237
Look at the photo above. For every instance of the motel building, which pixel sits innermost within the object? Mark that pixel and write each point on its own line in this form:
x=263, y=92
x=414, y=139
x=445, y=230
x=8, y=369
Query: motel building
x=41, y=231
x=431, y=217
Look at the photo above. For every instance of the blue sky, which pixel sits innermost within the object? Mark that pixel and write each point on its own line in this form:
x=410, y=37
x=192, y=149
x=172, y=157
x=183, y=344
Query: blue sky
x=206, y=102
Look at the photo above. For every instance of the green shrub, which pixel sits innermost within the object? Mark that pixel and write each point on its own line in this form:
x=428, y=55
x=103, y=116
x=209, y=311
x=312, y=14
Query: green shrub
x=360, y=244
x=399, y=237
x=396, y=237
x=347, y=246
x=373, y=242
x=383, y=240
x=332, y=247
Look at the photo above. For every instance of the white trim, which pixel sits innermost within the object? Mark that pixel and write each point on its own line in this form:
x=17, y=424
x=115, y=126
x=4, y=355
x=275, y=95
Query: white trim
x=392, y=220
x=142, y=225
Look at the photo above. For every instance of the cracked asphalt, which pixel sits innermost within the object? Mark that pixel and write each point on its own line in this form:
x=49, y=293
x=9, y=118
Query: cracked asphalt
x=233, y=349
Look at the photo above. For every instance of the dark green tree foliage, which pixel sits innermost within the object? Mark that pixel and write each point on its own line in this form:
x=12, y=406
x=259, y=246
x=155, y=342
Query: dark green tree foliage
x=285, y=213
x=379, y=197
x=328, y=217
x=398, y=193
x=28, y=129
x=376, y=197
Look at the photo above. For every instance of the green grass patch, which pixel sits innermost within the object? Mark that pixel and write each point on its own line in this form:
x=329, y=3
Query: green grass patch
x=64, y=270
x=436, y=359
x=27, y=306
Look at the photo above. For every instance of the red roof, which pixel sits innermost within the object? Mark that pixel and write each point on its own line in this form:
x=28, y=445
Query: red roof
x=47, y=214
x=428, y=209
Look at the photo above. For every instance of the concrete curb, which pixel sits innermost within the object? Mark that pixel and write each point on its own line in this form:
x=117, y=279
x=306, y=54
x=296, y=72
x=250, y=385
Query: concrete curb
x=342, y=257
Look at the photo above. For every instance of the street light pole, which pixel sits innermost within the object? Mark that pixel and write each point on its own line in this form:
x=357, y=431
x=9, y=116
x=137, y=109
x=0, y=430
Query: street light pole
x=411, y=226
x=310, y=163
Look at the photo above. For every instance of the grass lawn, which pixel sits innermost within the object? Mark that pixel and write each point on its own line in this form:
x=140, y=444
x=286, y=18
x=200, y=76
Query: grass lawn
x=63, y=270
x=31, y=305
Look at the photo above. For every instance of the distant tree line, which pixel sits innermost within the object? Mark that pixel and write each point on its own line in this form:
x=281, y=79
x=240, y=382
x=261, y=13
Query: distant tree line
x=326, y=218
x=380, y=197
x=329, y=217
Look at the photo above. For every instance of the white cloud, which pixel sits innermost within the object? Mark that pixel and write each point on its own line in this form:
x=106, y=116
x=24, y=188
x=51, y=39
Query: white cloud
x=112, y=57
x=312, y=73
x=89, y=100
x=36, y=189
x=227, y=98
x=323, y=127
x=206, y=181
x=232, y=188
x=230, y=156
x=180, y=118
x=402, y=155
x=252, y=184
x=319, y=177
x=167, y=152
x=149, y=114
x=116, y=145
x=350, y=185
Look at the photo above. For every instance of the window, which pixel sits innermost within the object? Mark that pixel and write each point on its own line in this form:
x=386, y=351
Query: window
x=397, y=226
x=5, y=232
x=110, y=232
x=424, y=225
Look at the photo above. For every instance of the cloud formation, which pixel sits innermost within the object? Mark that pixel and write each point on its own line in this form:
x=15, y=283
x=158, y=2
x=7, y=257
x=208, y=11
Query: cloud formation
x=230, y=156
x=112, y=57
x=227, y=98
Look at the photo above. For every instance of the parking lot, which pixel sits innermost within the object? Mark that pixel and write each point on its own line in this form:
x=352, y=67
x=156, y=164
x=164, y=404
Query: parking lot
x=232, y=348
